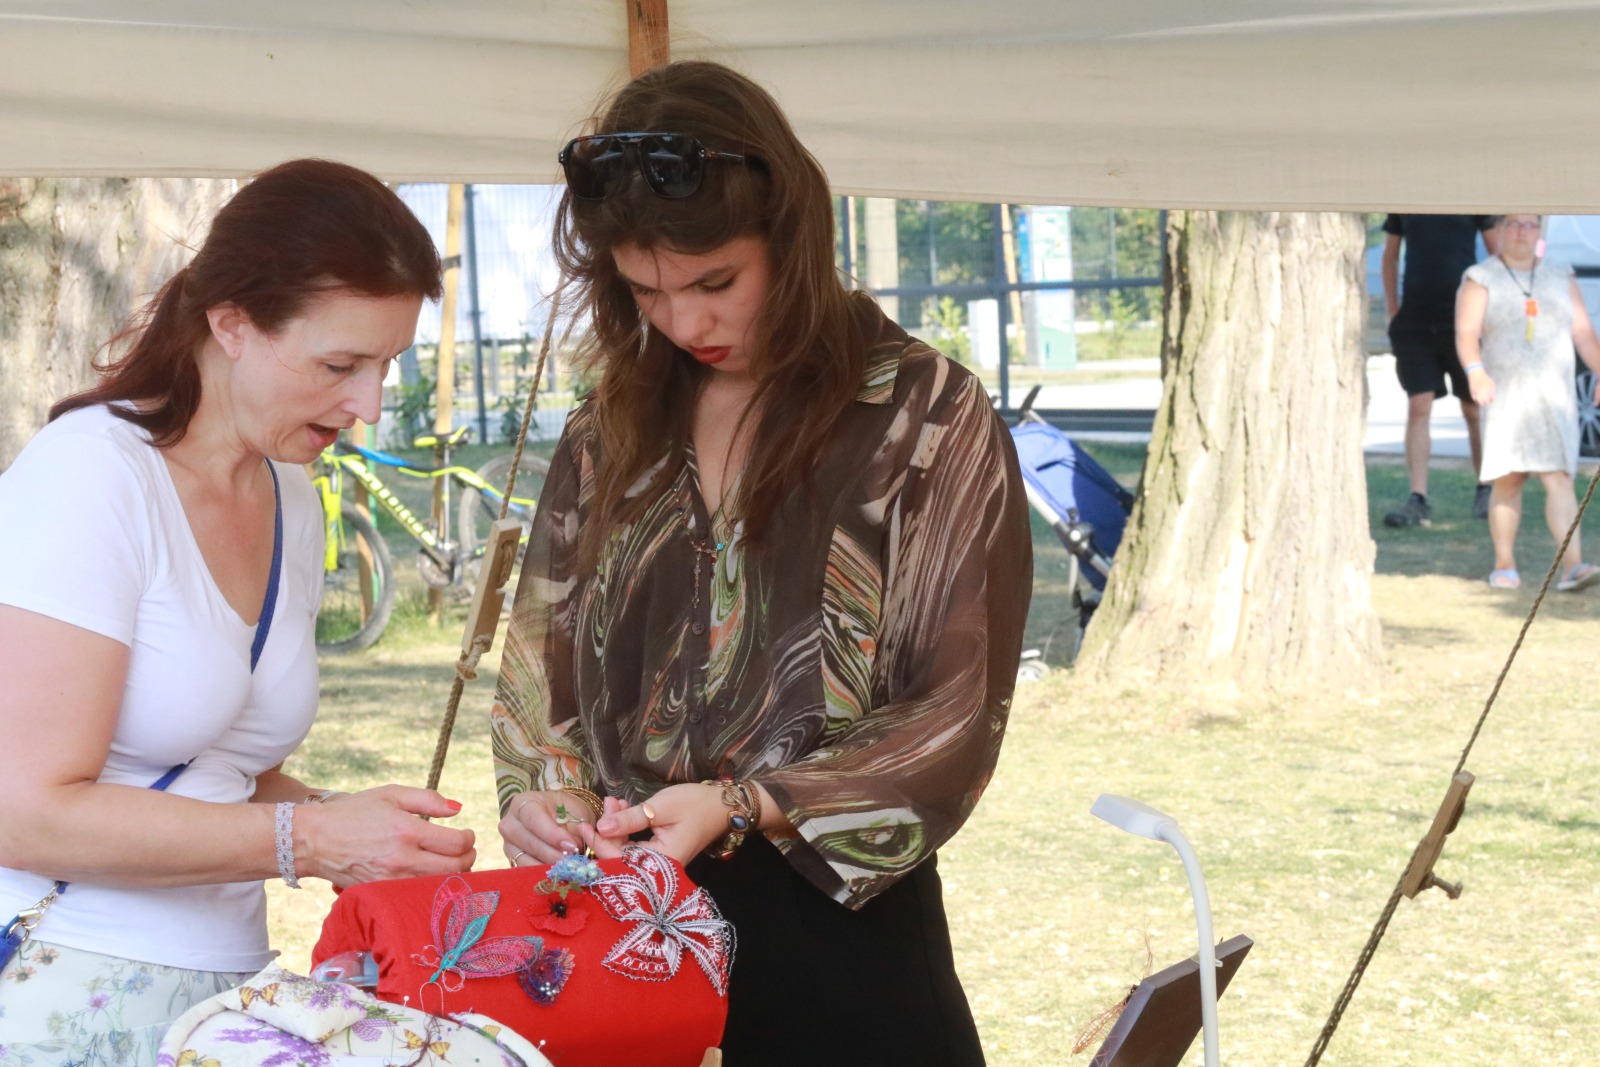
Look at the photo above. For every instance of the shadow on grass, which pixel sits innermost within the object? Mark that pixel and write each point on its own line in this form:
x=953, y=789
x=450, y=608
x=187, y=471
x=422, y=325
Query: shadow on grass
x=1537, y=814
x=1456, y=544
x=1425, y=636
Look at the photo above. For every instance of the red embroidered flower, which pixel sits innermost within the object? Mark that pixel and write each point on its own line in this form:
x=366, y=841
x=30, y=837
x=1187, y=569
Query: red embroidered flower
x=554, y=915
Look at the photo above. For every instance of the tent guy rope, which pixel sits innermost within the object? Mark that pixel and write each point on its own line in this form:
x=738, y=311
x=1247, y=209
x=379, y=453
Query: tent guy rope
x=481, y=625
x=1415, y=877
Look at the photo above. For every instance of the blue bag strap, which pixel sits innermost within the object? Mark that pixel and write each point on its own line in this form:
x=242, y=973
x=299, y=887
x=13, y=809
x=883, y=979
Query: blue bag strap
x=16, y=932
x=264, y=624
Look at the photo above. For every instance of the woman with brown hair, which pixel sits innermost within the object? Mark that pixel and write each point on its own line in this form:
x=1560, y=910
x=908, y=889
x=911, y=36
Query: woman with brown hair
x=158, y=597
x=773, y=603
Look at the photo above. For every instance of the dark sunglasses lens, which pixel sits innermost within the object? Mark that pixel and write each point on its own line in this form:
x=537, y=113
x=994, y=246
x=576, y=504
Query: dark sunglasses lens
x=673, y=164
x=591, y=164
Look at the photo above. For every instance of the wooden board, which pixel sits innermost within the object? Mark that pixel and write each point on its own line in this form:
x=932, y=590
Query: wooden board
x=1420, y=875
x=1163, y=1013
x=494, y=573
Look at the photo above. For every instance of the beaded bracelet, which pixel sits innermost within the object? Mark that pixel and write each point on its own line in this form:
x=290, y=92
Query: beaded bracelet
x=744, y=814
x=283, y=836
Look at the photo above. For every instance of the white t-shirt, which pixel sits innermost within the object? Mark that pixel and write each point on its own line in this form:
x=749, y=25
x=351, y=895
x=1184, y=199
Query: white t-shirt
x=93, y=533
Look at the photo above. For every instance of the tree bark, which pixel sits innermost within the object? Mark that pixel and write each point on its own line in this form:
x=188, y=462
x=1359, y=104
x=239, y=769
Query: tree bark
x=1248, y=562
x=77, y=256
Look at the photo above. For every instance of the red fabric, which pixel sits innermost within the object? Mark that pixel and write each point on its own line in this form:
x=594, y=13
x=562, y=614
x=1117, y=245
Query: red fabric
x=599, y=1018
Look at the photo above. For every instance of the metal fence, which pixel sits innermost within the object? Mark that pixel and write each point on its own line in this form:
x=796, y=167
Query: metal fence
x=1024, y=295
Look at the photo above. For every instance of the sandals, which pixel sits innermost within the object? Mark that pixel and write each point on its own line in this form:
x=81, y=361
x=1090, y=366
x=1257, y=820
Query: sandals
x=1580, y=577
x=1510, y=579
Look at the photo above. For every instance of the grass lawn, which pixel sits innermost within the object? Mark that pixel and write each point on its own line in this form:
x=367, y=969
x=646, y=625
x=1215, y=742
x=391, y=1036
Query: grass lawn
x=1303, y=816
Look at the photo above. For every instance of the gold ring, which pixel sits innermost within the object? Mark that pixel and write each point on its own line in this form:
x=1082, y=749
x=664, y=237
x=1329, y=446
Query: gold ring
x=649, y=814
x=517, y=857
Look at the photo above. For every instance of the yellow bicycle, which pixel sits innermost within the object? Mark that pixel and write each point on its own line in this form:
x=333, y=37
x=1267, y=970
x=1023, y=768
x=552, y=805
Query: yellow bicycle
x=358, y=593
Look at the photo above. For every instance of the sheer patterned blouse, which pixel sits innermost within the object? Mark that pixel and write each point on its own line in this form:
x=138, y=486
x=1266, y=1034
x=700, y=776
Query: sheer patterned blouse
x=862, y=674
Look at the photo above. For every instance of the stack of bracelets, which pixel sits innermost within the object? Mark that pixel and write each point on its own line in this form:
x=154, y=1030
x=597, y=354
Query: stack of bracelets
x=744, y=814
x=741, y=798
x=588, y=799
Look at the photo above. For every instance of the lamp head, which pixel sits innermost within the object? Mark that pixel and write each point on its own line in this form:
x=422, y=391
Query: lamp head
x=1136, y=817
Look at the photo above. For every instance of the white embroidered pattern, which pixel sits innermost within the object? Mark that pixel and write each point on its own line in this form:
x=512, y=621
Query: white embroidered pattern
x=653, y=949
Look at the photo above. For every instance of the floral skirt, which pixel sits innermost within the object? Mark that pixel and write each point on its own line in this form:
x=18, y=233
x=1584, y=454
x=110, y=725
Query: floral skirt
x=66, y=1006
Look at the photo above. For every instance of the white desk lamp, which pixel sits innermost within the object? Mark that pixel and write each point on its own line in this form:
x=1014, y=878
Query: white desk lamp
x=1136, y=817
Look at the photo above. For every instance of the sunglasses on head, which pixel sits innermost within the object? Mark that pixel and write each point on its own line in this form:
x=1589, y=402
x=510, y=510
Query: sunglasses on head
x=672, y=164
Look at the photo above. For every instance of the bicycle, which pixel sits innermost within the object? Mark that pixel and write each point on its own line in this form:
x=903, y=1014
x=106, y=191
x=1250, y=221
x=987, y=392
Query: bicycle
x=358, y=569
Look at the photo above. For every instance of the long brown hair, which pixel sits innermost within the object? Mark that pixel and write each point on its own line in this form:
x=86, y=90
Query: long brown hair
x=809, y=352
x=302, y=228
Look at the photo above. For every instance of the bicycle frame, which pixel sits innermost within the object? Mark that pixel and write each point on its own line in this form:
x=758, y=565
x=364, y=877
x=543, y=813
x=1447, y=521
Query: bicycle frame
x=354, y=465
x=357, y=462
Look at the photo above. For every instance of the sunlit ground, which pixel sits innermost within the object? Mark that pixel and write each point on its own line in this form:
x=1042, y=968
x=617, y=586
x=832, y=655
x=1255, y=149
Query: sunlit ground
x=1303, y=815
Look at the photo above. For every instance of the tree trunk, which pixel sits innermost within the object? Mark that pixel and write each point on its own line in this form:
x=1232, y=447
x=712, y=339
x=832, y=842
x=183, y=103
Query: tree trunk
x=77, y=256
x=1248, y=561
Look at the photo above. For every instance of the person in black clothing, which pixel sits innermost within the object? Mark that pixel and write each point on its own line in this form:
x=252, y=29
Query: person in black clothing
x=1423, y=335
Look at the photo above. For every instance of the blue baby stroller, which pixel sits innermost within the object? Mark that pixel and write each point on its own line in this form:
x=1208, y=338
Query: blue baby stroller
x=1080, y=500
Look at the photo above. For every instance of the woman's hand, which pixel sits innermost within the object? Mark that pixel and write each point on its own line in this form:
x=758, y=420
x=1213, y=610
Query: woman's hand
x=541, y=826
x=376, y=834
x=1482, y=386
x=687, y=818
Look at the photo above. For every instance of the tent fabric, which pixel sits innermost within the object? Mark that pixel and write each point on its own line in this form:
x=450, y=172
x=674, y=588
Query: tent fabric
x=1408, y=105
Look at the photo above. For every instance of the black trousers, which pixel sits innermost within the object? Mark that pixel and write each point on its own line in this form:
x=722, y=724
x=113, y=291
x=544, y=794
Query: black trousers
x=814, y=982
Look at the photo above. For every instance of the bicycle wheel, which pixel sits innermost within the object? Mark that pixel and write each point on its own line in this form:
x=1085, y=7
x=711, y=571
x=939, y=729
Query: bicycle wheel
x=478, y=511
x=1588, y=415
x=358, y=594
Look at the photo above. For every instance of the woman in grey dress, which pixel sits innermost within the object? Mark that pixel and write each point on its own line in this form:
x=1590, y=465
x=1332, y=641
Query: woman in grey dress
x=1518, y=320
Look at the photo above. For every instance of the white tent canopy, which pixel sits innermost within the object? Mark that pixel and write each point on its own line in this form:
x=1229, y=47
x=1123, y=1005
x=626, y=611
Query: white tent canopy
x=1318, y=104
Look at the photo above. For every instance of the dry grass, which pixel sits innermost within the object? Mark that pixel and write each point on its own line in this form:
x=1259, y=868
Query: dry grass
x=1303, y=816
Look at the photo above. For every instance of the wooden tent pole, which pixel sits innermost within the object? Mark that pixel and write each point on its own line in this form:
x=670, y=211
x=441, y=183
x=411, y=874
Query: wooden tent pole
x=444, y=406
x=649, y=46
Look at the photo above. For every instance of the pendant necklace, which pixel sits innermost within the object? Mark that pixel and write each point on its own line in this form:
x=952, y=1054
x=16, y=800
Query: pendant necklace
x=1530, y=306
x=707, y=549
x=703, y=551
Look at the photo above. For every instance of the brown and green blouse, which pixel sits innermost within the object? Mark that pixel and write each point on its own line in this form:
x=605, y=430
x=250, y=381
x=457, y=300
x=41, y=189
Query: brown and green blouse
x=862, y=675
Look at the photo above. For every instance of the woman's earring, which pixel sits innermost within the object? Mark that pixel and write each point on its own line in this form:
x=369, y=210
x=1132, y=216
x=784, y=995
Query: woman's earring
x=644, y=336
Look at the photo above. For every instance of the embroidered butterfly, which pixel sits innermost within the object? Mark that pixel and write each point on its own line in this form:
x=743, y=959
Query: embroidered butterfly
x=460, y=917
x=268, y=993
x=415, y=1040
x=190, y=1058
x=653, y=949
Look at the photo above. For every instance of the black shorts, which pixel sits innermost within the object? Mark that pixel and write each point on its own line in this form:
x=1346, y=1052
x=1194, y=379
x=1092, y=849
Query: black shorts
x=1427, y=363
